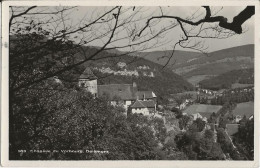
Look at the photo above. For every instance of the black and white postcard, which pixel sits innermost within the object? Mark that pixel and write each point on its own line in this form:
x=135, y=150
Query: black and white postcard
x=130, y=83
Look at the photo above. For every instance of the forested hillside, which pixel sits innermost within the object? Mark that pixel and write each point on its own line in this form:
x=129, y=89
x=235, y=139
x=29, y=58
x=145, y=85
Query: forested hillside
x=196, y=67
x=116, y=69
x=178, y=58
x=217, y=62
x=225, y=80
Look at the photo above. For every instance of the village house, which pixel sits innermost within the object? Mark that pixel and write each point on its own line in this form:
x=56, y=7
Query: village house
x=198, y=115
x=125, y=95
x=145, y=95
x=118, y=94
x=144, y=107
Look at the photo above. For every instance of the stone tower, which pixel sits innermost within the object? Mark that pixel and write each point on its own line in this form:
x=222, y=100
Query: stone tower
x=88, y=81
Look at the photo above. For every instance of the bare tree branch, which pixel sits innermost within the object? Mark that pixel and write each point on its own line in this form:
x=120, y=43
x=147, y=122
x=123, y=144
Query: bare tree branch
x=20, y=14
x=234, y=26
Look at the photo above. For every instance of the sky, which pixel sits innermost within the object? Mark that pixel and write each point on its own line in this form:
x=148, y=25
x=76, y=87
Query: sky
x=82, y=15
x=213, y=44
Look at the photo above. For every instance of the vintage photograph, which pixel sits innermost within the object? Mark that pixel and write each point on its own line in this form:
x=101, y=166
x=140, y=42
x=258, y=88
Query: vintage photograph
x=131, y=83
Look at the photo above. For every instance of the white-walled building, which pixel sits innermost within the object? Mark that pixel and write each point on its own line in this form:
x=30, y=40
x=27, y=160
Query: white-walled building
x=198, y=115
x=144, y=107
x=123, y=95
x=126, y=95
x=145, y=95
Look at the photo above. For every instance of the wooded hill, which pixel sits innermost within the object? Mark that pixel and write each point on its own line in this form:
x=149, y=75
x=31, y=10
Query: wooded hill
x=195, y=66
x=239, y=56
x=113, y=68
x=225, y=80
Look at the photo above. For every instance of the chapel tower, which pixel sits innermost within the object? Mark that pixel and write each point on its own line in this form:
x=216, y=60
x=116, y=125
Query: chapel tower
x=88, y=81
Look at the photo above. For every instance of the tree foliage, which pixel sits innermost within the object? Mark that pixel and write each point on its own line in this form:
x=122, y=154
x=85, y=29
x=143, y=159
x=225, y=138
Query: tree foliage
x=225, y=80
x=184, y=122
x=244, y=139
x=198, y=125
x=89, y=124
x=177, y=112
x=198, y=147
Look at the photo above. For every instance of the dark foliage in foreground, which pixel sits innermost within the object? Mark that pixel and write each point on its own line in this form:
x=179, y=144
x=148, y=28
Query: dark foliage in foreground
x=198, y=146
x=244, y=139
x=76, y=121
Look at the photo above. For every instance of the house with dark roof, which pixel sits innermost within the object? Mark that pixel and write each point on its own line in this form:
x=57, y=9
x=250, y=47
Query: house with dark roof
x=145, y=95
x=126, y=95
x=144, y=107
x=118, y=94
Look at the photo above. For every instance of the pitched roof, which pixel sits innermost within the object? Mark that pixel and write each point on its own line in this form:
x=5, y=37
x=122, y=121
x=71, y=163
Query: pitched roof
x=122, y=91
x=87, y=74
x=206, y=114
x=138, y=104
x=148, y=103
x=197, y=114
x=143, y=104
x=145, y=94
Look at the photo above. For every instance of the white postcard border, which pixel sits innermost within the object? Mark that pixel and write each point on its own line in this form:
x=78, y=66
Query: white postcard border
x=116, y=163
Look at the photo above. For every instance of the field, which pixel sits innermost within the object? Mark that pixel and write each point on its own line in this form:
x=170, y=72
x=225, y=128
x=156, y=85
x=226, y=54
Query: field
x=202, y=108
x=232, y=129
x=246, y=109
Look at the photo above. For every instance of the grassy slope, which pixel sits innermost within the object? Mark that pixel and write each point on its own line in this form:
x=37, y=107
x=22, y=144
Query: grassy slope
x=246, y=108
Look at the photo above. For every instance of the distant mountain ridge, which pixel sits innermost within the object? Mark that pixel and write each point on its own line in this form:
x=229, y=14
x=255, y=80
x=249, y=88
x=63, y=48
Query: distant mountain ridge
x=195, y=66
x=178, y=58
x=242, y=54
